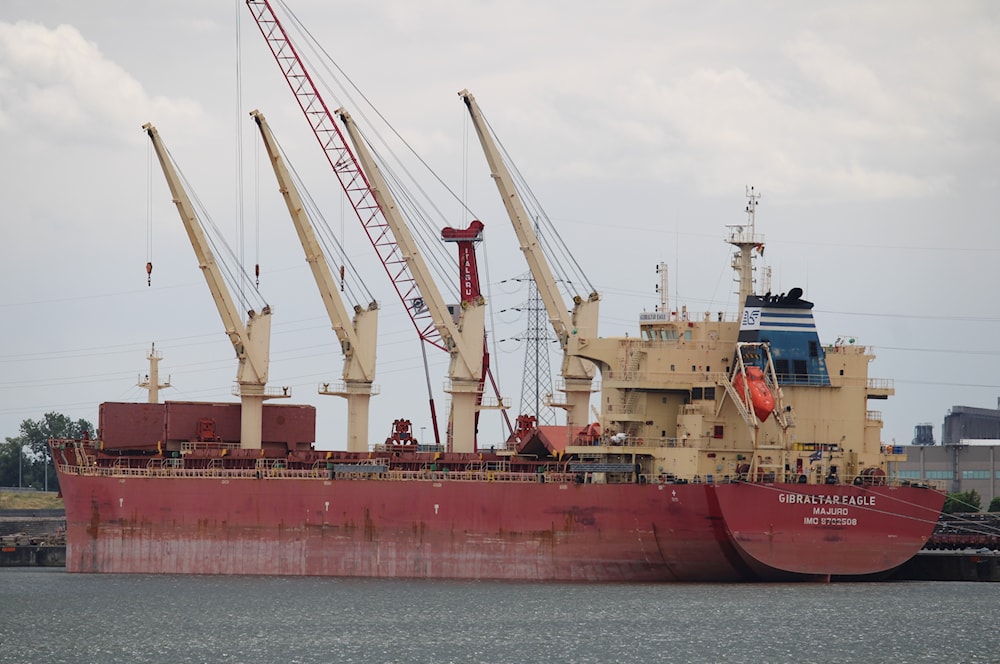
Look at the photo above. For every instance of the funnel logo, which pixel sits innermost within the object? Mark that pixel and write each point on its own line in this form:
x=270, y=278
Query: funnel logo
x=751, y=319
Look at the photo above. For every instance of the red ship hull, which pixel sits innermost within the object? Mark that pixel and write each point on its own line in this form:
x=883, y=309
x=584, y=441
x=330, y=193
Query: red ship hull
x=838, y=530
x=453, y=529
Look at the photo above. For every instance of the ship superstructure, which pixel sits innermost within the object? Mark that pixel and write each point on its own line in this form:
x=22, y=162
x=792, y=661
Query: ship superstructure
x=669, y=394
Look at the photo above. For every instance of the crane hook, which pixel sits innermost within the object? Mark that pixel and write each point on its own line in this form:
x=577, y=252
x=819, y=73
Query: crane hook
x=149, y=273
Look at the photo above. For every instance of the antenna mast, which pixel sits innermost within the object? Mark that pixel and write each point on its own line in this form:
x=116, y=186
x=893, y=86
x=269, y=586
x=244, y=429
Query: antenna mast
x=746, y=240
x=152, y=380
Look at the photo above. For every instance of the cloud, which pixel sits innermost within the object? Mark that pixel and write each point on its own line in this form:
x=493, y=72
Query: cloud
x=58, y=83
x=828, y=126
x=820, y=103
x=837, y=75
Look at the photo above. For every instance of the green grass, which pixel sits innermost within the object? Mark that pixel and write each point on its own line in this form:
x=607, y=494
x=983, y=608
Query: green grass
x=30, y=500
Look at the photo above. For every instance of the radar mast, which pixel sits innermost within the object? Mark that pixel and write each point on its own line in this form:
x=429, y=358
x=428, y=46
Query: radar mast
x=746, y=240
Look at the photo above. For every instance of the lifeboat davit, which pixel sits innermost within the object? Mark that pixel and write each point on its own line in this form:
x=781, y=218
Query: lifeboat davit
x=760, y=396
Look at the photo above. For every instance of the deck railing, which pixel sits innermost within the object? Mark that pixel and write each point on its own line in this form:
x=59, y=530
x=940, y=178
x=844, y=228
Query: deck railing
x=275, y=471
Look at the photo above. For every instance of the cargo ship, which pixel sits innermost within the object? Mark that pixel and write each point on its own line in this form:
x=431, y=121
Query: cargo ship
x=729, y=448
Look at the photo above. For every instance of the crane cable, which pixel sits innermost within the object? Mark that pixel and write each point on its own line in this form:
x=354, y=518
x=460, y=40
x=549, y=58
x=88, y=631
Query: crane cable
x=149, y=214
x=240, y=229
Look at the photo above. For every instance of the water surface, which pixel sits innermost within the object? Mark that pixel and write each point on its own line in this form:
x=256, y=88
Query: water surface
x=47, y=615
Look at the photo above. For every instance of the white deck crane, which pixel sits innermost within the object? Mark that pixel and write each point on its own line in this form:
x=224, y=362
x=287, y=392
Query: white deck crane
x=577, y=373
x=463, y=340
x=252, y=341
x=357, y=338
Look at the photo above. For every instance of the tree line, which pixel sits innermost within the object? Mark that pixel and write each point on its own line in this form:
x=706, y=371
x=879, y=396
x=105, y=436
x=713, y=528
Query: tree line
x=26, y=461
x=968, y=501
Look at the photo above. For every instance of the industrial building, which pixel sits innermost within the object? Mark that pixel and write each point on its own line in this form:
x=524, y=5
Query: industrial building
x=967, y=458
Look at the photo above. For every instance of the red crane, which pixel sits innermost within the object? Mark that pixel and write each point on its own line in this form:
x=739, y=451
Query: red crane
x=361, y=194
x=345, y=165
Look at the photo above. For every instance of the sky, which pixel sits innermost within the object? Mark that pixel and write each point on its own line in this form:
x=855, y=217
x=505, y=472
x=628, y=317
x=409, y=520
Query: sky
x=869, y=129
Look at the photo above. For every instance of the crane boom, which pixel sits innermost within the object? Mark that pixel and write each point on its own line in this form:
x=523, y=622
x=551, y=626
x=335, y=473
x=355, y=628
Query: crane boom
x=399, y=255
x=464, y=340
x=357, y=338
x=344, y=164
x=252, y=342
x=577, y=373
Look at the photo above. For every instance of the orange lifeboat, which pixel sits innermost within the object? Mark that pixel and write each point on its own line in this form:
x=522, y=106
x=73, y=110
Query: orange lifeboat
x=760, y=395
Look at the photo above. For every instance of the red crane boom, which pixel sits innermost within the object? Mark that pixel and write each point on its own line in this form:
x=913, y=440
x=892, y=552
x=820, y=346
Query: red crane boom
x=345, y=165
